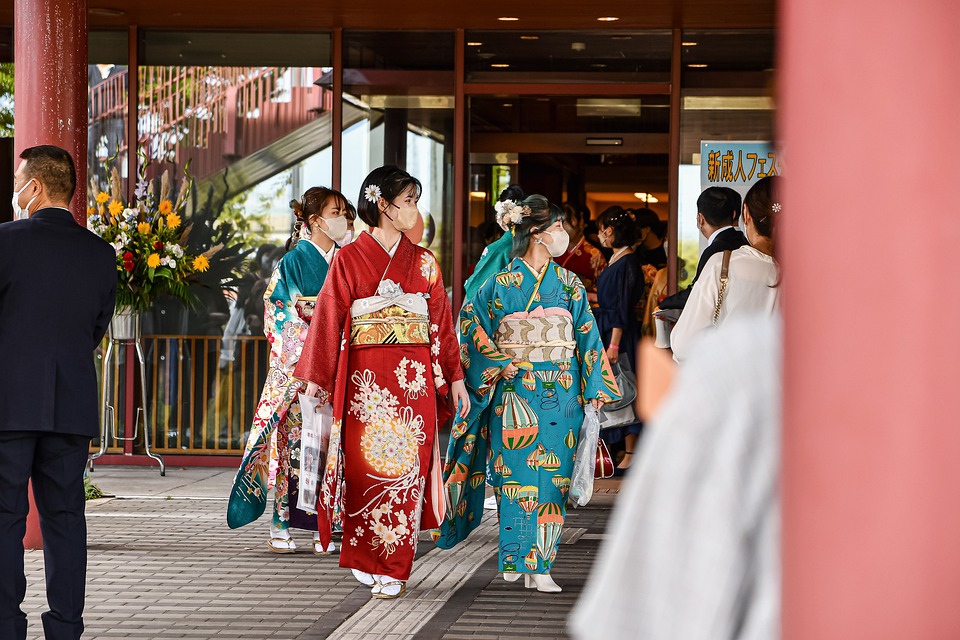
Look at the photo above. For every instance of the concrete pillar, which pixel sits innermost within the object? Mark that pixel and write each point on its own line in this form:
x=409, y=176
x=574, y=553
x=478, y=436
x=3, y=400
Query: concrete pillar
x=869, y=248
x=50, y=94
x=50, y=59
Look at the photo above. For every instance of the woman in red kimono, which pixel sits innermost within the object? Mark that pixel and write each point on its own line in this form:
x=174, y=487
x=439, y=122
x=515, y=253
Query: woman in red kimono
x=382, y=350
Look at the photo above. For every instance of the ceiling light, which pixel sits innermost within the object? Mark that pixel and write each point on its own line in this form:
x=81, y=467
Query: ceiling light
x=500, y=66
x=486, y=56
x=529, y=37
x=578, y=46
x=478, y=194
x=604, y=142
x=474, y=44
x=646, y=197
x=689, y=44
x=508, y=19
x=697, y=66
x=608, y=19
x=598, y=65
x=508, y=104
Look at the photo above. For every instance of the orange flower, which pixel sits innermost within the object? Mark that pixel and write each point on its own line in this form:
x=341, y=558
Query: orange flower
x=166, y=207
x=102, y=197
x=153, y=261
x=115, y=208
x=144, y=228
x=91, y=211
x=173, y=221
x=200, y=263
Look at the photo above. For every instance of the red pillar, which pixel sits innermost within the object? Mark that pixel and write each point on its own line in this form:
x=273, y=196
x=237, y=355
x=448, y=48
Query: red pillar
x=869, y=234
x=50, y=94
x=50, y=59
x=32, y=538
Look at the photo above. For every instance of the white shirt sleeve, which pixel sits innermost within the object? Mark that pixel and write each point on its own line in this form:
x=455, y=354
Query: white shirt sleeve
x=697, y=314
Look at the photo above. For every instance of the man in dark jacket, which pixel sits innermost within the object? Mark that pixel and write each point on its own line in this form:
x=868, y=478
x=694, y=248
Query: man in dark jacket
x=718, y=209
x=58, y=286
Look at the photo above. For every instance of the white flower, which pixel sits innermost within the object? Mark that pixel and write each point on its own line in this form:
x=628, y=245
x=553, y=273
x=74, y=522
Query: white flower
x=165, y=261
x=124, y=226
x=130, y=213
x=173, y=264
x=776, y=207
x=372, y=193
x=353, y=542
x=434, y=328
x=435, y=348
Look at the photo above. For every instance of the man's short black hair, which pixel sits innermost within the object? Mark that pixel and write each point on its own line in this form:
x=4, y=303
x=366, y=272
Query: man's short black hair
x=720, y=206
x=54, y=168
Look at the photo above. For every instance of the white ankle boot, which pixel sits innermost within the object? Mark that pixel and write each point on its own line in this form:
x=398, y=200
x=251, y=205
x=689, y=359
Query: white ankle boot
x=541, y=582
x=510, y=576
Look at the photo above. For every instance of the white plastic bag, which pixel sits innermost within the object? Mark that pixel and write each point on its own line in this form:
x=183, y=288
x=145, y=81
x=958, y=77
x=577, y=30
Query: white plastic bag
x=581, y=482
x=314, y=442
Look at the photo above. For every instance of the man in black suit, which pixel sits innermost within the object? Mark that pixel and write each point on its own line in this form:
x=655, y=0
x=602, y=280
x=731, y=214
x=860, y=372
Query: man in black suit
x=718, y=209
x=58, y=284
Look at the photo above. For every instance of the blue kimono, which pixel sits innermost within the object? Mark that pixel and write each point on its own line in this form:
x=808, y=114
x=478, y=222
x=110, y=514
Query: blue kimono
x=531, y=423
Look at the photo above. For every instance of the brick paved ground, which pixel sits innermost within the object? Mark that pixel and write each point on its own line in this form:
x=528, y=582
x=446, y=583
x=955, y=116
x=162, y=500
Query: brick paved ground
x=163, y=564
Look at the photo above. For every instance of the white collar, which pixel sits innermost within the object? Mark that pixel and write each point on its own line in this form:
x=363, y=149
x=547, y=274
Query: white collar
x=713, y=236
x=327, y=255
x=392, y=250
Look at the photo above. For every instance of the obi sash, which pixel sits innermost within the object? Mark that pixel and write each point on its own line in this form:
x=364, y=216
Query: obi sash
x=305, y=306
x=538, y=336
x=391, y=317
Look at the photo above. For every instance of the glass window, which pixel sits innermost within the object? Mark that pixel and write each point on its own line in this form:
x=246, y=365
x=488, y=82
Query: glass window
x=398, y=100
x=568, y=56
x=726, y=95
x=108, y=87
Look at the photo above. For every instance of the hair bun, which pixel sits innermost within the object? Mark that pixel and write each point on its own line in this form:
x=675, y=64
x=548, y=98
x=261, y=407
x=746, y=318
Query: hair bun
x=297, y=207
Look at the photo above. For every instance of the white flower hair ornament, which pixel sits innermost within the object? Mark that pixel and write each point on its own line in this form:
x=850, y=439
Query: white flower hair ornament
x=776, y=207
x=372, y=193
x=510, y=213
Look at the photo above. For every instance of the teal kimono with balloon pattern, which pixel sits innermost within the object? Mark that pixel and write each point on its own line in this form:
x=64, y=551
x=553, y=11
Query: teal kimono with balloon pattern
x=530, y=424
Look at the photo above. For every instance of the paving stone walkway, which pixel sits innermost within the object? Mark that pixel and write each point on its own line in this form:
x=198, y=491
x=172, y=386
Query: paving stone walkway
x=163, y=564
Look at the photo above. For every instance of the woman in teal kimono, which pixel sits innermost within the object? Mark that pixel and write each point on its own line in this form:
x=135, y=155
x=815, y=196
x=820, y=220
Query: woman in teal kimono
x=497, y=254
x=274, y=440
x=533, y=359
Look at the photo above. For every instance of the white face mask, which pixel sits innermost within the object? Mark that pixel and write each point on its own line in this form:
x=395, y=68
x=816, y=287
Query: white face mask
x=741, y=226
x=561, y=240
x=336, y=228
x=24, y=213
x=347, y=238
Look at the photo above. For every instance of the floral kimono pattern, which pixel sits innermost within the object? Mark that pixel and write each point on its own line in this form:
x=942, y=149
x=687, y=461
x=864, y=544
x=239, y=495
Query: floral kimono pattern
x=529, y=424
x=383, y=349
x=299, y=274
x=586, y=261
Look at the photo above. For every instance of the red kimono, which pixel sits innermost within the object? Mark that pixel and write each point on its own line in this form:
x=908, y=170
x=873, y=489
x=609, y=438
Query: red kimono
x=586, y=261
x=382, y=345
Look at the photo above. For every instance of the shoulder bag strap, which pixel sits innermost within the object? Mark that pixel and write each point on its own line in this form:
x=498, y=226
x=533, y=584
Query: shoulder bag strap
x=724, y=277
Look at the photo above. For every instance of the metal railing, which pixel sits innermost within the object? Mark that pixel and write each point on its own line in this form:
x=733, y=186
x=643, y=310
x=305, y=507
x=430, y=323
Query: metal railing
x=199, y=401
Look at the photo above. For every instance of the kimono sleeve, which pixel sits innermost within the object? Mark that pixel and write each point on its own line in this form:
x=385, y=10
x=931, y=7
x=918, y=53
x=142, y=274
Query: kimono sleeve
x=478, y=353
x=321, y=352
x=596, y=379
x=444, y=351
x=282, y=325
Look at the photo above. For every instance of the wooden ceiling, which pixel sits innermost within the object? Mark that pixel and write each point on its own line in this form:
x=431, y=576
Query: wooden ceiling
x=309, y=15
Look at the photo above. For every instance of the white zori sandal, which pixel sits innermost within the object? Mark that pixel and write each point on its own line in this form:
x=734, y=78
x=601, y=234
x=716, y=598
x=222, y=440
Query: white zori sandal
x=280, y=541
x=388, y=588
x=363, y=578
x=318, y=546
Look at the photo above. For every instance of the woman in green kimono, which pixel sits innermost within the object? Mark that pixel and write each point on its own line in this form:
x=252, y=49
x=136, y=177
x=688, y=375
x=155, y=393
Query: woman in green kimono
x=497, y=254
x=274, y=440
x=533, y=359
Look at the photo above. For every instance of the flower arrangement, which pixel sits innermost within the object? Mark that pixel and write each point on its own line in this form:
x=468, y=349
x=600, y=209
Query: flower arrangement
x=509, y=213
x=149, y=240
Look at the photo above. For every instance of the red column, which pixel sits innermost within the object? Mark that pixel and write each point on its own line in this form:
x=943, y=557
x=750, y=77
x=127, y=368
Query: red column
x=50, y=59
x=871, y=466
x=50, y=94
x=32, y=538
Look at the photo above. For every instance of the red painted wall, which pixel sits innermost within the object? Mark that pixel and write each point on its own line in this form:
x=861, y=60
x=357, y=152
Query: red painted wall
x=870, y=235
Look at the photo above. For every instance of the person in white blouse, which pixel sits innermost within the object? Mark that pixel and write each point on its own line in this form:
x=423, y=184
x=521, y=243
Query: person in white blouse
x=753, y=274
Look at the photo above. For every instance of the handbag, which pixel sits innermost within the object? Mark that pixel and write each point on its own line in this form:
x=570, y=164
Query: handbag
x=604, y=465
x=314, y=443
x=628, y=386
x=435, y=489
x=724, y=277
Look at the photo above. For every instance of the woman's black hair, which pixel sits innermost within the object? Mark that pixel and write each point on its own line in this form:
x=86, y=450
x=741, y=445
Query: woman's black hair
x=312, y=203
x=760, y=199
x=542, y=214
x=626, y=233
x=514, y=193
x=392, y=181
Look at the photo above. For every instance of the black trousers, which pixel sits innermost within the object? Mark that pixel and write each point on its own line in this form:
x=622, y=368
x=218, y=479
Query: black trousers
x=55, y=463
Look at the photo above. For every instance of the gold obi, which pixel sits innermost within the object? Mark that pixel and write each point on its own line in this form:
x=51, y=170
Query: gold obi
x=390, y=325
x=538, y=339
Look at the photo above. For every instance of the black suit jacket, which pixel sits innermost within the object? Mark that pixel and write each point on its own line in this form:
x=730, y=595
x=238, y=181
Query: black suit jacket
x=729, y=239
x=58, y=285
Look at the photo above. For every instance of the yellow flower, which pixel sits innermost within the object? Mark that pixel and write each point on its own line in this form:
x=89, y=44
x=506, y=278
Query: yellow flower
x=115, y=208
x=144, y=228
x=102, y=197
x=166, y=207
x=153, y=261
x=173, y=221
x=200, y=263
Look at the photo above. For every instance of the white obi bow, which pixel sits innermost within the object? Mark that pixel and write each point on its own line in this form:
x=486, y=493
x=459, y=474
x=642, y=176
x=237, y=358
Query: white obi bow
x=389, y=294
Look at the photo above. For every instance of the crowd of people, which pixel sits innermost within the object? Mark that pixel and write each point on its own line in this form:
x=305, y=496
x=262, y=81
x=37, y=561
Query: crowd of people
x=362, y=325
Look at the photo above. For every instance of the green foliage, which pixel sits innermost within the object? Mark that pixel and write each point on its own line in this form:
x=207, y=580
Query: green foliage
x=90, y=490
x=6, y=100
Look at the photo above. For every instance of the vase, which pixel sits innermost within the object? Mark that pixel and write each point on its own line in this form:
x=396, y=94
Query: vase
x=125, y=324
